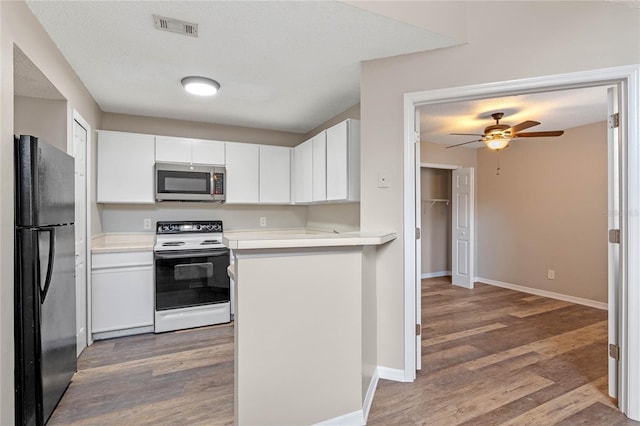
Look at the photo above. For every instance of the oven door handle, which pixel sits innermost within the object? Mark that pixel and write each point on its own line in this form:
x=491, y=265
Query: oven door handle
x=181, y=254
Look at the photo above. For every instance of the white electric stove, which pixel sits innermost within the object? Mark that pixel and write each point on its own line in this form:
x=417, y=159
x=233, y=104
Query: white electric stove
x=192, y=288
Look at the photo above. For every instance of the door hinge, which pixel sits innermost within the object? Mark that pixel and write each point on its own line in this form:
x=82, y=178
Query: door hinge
x=614, y=351
x=418, y=329
x=614, y=120
x=614, y=236
x=418, y=233
x=416, y=137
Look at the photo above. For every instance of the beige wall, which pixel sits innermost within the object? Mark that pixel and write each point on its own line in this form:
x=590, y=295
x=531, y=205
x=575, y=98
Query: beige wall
x=192, y=129
x=546, y=210
x=436, y=220
x=555, y=37
x=19, y=27
x=353, y=112
x=434, y=153
x=43, y=118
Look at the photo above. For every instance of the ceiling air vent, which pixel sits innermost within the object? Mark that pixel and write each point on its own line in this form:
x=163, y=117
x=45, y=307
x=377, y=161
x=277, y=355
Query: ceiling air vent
x=175, y=26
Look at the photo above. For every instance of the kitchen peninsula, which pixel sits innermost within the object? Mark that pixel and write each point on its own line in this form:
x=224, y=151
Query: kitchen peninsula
x=305, y=325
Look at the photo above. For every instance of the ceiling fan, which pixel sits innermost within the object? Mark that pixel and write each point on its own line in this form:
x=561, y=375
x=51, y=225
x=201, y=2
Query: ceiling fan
x=497, y=136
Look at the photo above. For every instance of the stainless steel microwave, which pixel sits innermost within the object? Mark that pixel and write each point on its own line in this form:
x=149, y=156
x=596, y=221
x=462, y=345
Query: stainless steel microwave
x=189, y=182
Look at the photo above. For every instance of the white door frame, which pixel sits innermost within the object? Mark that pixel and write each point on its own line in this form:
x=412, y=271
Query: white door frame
x=77, y=117
x=628, y=77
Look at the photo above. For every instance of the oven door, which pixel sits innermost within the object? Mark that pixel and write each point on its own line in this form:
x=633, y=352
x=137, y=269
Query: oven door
x=191, y=278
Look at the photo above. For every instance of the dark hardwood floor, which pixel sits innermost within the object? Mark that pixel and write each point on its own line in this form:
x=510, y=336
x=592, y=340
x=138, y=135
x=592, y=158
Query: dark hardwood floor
x=491, y=356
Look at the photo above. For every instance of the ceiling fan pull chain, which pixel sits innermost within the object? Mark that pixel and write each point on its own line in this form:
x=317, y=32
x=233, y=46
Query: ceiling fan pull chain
x=498, y=162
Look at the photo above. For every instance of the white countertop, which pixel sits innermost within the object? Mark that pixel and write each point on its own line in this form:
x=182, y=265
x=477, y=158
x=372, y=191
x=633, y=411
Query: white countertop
x=299, y=238
x=117, y=242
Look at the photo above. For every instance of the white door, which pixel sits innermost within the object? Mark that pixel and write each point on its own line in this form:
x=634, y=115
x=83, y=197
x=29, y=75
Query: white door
x=80, y=153
x=613, y=141
x=418, y=262
x=462, y=247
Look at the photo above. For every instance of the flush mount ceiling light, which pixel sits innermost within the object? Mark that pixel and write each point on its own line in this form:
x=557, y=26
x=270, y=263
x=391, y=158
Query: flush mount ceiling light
x=201, y=86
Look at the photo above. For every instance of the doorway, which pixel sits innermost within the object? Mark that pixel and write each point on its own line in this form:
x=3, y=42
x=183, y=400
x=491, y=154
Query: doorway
x=626, y=80
x=435, y=203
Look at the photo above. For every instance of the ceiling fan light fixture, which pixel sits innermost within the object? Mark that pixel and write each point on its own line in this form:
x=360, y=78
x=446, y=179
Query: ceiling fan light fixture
x=497, y=143
x=200, y=86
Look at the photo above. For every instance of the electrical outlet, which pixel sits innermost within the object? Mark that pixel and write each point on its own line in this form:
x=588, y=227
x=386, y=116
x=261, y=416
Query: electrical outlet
x=551, y=274
x=263, y=221
x=147, y=224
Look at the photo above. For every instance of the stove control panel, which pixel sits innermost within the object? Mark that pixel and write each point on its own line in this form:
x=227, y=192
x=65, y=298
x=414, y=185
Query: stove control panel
x=186, y=227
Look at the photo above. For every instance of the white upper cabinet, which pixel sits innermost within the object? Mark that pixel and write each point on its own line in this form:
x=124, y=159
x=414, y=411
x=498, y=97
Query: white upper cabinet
x=242, y=164
x=185, y=150
x=125, y=168
x=207, y=152
x=303, y=172
x=343, y=161
x=275, y=174
x=319, y=174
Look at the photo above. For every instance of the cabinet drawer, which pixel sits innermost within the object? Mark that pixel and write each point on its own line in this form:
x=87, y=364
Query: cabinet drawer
x=121, y=259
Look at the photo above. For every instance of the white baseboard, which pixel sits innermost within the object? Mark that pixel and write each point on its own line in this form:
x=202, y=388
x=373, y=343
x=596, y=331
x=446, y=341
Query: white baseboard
x=371, y=391
x=544, y=293
x=355, y=418
x=395, y=374
x=436, y=274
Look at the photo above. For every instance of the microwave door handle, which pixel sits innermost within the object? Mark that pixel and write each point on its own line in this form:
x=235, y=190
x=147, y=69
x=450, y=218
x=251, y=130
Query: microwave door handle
x=212, y=189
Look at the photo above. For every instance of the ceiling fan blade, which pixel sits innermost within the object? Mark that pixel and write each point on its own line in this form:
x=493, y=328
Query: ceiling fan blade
x=521, y=126
x=465, y=134
x=539, y=134
x=464, y=143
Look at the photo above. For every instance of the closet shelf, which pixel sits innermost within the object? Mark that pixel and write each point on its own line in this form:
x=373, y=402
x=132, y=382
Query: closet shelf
x=433, y=201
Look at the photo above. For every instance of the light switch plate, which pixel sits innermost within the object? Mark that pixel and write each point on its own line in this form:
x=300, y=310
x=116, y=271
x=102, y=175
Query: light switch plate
x=383, y=180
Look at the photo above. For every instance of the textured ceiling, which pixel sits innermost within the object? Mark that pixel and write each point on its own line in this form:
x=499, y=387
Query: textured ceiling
x=282, y=65
x=558, y=110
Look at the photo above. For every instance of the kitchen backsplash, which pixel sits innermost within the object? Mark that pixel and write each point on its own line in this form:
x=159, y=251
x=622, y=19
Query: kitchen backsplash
x=131, y=218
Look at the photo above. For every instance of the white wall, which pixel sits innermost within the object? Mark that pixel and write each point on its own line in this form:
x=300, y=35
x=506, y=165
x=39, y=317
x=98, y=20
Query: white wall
x=552, y=38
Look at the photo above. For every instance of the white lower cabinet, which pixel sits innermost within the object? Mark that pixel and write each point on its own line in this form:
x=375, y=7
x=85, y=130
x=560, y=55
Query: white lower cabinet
x=122, y=294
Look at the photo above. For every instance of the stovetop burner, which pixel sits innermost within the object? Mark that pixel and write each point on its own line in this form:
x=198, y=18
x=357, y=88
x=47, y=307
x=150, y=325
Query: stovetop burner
x=189, y=235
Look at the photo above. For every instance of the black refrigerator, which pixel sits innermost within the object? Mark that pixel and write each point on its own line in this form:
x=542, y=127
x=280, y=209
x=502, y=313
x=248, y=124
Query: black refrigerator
x=44, y=294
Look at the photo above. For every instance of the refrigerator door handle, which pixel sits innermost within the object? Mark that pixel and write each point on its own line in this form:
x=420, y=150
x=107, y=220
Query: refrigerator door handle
x=52, y=253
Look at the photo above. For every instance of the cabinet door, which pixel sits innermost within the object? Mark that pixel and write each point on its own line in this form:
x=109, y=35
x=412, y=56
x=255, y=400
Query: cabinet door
x=121, y=298
x=125, y=168
x=173, y=150
x=242, y=172
x=275, y=174
x=319, y=178
x=303, y=172
x=337, y=160
x=207, y=152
